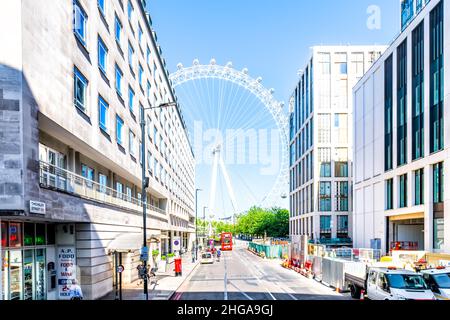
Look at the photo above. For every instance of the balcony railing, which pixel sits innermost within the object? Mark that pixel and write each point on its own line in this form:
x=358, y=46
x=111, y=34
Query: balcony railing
x=52, y=177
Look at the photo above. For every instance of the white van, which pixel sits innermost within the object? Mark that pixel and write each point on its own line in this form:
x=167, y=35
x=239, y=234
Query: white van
x=397, y=284
x=438, y=280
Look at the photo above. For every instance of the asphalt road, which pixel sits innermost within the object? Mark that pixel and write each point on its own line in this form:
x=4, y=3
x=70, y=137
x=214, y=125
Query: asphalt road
x=241, y=275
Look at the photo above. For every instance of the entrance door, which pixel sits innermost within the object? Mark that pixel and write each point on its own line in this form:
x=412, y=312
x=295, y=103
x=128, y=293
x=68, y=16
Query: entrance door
x=40, y=282
x=28, y=275
x=15, y=275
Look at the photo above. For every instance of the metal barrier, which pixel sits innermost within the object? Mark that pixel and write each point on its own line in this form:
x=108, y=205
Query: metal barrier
x=271, y=252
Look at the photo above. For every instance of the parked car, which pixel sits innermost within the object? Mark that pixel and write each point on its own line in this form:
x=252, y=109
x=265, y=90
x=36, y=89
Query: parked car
x=389, y=284
x=207, y=258
x=438, y=280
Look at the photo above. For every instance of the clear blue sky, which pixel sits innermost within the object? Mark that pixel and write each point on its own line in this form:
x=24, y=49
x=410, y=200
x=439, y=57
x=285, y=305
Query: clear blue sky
x=270, y=37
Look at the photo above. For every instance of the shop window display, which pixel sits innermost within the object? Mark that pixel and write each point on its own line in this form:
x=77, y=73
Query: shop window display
x=15, y=234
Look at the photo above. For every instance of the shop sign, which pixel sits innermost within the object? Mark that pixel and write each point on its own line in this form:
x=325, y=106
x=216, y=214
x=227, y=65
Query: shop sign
x=66, y=271
x=37, y=207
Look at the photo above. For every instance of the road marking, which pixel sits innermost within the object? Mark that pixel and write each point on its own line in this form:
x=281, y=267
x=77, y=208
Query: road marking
x=257, y=278
x=245, y=295
x=225, y=279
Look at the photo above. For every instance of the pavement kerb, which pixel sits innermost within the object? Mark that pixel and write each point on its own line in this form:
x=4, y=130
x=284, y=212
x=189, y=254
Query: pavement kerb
x=187, y=276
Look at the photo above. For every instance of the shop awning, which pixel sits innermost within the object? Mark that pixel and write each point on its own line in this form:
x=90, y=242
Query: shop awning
x=411, y=216
x=130, y=242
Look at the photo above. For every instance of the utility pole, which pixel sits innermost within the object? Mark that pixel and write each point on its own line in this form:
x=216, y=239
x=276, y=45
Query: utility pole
x=196, y=223
x=145, y=185
x=204, y=223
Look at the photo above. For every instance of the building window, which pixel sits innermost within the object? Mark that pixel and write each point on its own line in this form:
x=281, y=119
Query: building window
x=418, y=187
x=324, y=128
x=119, y=190
x=388, y=98
x=389, y=194
x=140, y=33
x=89, y=174
x=343, y=68
x=131, y=99
x=130, y=56
x=325, y=227
x=80, y=22
x=101, y=6
x=148, y=56
x=342, y=226
x=342, y=196
x=119, y=129
x=129, y=194
x=325, y=197
x=325, y=170
x=102, y=55
x=130, y=11
x=436, y=79
x=402, y=114
x=417, y=93
x=103, y=114
x=119, y=76
x=438, y=233
x=438, y=183
x=118, y=30
x=150, y=162
x=341, y=169
x=141, y=73
x=403, y=191
x=131, y=139
x=81, y=84
x=103, y=181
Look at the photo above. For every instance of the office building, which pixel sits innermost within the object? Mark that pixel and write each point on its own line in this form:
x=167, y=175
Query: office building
x=402, y=138
x=321, y=144
x=75, y=77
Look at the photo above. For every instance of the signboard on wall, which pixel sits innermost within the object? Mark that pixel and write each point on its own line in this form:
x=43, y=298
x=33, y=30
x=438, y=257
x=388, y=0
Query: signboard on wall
x=176, y=244
x=37, y=207
x=66, y=271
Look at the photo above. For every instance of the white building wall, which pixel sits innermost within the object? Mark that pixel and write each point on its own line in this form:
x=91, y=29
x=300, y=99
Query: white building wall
x=366, y=119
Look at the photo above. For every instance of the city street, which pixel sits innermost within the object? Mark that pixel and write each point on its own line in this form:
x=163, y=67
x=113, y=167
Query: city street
x=241, y=275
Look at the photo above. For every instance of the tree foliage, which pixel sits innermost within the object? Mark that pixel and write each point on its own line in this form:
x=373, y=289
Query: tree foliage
x=259, y=222
x=256, y=222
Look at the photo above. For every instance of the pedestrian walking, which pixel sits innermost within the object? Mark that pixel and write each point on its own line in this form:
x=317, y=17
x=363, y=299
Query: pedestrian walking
x=75, y=291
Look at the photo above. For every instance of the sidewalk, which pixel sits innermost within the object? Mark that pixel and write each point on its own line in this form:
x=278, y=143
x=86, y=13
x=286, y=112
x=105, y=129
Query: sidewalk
x=162, y=287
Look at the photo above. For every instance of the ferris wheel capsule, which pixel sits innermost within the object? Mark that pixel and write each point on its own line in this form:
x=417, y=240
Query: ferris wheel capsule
x=245, y=71
x=213, y=62
x=196, y=62
x=180, y=66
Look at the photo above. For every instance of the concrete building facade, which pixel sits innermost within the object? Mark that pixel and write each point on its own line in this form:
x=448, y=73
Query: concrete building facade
x=75, y=77
x=321, y=145
x=402, y=138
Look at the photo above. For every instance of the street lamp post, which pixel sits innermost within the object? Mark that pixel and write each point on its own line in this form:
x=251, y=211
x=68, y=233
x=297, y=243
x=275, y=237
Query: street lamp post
x=204, y=225
x=196, y=222
x=145, y=185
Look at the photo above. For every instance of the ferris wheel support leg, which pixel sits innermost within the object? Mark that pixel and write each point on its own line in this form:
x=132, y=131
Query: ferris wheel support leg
x=212, y=195
x=228, y=183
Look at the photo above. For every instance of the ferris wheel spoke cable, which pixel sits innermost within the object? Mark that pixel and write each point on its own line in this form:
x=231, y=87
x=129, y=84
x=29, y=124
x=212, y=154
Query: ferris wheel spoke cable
x=235, y=102
x=229, y=113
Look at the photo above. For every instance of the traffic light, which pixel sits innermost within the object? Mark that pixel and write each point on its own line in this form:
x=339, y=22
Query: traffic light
x=146, y=182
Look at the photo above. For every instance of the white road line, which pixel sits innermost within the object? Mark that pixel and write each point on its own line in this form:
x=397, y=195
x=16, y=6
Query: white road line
x=257, y=278
x=225, y=293
x=245, y=295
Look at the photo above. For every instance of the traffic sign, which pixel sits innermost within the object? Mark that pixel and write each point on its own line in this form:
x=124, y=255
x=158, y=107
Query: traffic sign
x=144, y=254
x=120, y=269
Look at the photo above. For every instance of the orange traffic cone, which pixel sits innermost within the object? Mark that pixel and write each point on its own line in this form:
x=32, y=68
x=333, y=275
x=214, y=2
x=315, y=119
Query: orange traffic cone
x=363, y=292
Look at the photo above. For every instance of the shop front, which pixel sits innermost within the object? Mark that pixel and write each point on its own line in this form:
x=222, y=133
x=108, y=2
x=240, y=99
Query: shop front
x=25, y=251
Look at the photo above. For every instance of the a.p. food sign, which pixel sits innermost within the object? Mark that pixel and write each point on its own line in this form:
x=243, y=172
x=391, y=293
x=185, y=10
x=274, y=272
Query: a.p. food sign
x=67, y=271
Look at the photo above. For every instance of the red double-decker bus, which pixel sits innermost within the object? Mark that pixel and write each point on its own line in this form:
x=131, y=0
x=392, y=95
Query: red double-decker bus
x=226, y=241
